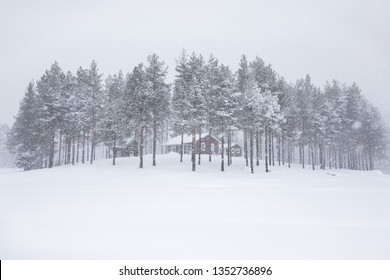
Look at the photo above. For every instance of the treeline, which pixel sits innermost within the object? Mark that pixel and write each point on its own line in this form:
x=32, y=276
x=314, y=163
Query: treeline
x=63, y=116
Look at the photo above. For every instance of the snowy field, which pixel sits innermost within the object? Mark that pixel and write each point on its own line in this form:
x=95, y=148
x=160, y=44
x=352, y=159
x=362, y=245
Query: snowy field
x=101, y=211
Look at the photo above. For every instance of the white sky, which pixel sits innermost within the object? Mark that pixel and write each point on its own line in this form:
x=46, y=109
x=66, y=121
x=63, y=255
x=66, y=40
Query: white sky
x=344, y=40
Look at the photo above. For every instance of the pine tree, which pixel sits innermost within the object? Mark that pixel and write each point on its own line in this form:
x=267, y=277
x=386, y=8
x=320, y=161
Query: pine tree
x=50, y=91
x=181, y=91
x=225, y=108
x=111, y=126
x=189, y=98
x=197, y=101
x=158, y=96
x=138, y=95
x=213, y=78
x=26, y=136
x=94, y=103
x=243, y=79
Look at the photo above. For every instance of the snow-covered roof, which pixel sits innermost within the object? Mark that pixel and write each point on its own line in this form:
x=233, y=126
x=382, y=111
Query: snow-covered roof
x=125, y=143
x=186, y=139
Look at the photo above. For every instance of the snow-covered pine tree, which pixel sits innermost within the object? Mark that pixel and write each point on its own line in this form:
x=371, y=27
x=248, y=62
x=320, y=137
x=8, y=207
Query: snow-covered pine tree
x=138, y=97
x=225, y=108
x=26, y=138
x=180, y=107
x=81, y=102
x=251, y=104
x=111, y=127
x=69, y=124
x=197, y=100
x=188, y=101
x=243, y=77
x=213, y=78
x=158, y=97
x=372, y=137
x=303, y=91
x=50, y=93
x=94, y=98
x=333, y=112
x=266, y=79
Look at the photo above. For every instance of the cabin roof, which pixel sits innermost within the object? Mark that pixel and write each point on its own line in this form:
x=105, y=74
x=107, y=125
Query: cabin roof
x=187, y=139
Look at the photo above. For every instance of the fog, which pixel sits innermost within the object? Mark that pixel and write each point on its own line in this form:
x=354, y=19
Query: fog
x=344, y=40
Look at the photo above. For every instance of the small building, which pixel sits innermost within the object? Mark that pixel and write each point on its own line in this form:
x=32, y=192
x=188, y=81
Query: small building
x=236, y=150
x=208, y=144
x=129, y=149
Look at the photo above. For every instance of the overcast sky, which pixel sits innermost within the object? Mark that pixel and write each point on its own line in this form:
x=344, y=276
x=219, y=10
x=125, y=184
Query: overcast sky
x=344, y=40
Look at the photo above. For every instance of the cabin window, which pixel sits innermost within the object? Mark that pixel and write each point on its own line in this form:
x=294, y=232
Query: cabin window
x=238, y=151
x=233, y=150
x=212, y=147
x=203, y=147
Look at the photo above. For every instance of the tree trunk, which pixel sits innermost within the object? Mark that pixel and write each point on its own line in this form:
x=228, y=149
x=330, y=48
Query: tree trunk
x=245, y=147
x=78, y=147
x=162, y=139
x=83, y=152
x=88, y=148
x=92, y=146
x=59, y=150
x=269, y=146
x=141, y=148
x=289, y=152
x=145, y=142
x=210, y=151
x=64, y=149
x=341, y=163
x=193, y=156
x=69, y=151
x=312, y=158
x=266, y=148
x=371, y=160
x=182, y=146
x=283, y=148
x=73, y=150
x=200, y=145
x=229, y=149
x=251, y=149
x=114, y=153
x=154, y=141
x=279, y=153
x=261, y=145
x=223, y=153
x=257, y=148
x=51, y=147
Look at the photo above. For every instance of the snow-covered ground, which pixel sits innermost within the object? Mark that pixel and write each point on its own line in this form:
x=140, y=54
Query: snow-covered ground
x=102, y=211
x=8, y=170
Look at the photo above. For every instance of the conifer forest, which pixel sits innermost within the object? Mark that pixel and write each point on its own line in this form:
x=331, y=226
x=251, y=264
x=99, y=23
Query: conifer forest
x=63, y=117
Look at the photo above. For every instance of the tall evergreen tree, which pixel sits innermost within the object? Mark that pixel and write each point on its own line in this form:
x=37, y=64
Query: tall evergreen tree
x=26, y=136
x=138, y=93
x=158, y=96
x=112, y=128
x=50, y=92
